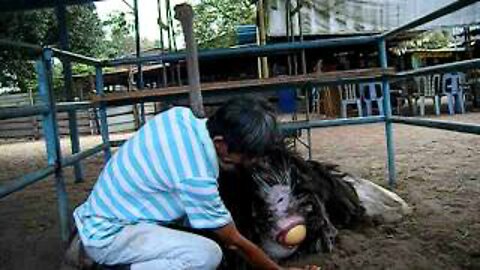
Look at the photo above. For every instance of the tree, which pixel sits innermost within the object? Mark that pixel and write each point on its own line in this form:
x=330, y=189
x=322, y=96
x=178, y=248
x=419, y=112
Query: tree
x=215, y=21
x=41, y=28
x=436, y=39
x=85, y=30
x=120, y=39
x=30, y=27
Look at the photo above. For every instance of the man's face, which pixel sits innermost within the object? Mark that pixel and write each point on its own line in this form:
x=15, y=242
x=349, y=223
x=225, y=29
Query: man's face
x=230, y=161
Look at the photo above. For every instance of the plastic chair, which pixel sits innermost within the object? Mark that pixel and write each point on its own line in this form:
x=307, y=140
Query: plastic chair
x=429, y=87
x=452, y=88
x=316, y=100
x=372, y=92
x=349, y=95
x=287, y=100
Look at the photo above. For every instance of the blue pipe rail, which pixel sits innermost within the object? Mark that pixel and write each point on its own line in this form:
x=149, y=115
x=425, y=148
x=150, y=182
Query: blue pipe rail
x=50, y=129
x=75, y=158
x=76, y=57
x=388, y=114
x=454, y=66
x=287, y=126
x=32, y=178
x=25, y=180
x=103, y=113
x=279, y=48
x=117, y=143
x=37, y=49
x=438, y=124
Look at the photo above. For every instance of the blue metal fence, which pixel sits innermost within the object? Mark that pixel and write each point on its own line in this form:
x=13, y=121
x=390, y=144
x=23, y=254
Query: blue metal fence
x=48, y=109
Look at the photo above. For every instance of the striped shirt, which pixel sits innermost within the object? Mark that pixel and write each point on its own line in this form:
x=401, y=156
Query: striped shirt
x=165, y=173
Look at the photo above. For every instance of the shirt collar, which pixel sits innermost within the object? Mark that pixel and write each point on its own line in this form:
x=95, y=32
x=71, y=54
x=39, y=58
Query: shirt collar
x=208, y=146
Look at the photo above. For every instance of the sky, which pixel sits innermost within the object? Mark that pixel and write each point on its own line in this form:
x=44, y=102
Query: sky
x=147, y=9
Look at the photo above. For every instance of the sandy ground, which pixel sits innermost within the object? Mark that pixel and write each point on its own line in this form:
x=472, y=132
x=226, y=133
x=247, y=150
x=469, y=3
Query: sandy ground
x=438, y=174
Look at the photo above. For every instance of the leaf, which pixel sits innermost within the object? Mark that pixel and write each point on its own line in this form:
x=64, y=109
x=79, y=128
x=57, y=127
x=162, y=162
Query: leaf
x=216, y=20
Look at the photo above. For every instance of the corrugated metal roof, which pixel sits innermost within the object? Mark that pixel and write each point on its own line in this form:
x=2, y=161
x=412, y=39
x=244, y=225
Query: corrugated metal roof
x=359, y=16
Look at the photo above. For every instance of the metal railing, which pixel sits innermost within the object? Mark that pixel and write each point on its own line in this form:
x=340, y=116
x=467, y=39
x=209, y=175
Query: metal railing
x=48, y=109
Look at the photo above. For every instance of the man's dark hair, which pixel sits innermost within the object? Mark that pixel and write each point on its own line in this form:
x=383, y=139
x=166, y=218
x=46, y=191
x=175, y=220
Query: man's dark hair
x=248, y=125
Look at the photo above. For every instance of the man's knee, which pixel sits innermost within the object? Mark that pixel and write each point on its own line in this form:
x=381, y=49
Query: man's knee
x=209, y=255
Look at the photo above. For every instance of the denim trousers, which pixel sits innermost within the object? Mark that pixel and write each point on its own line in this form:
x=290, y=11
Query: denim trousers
x=147, y=246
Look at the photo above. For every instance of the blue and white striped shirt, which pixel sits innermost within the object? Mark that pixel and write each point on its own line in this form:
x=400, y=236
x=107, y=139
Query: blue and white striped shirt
x=166, y=172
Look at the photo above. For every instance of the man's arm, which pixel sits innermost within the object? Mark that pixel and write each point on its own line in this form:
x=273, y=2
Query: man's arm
x=232, y=238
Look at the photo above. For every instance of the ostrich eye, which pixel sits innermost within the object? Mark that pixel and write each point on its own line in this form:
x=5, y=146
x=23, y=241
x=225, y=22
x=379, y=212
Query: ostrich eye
x=280, y=200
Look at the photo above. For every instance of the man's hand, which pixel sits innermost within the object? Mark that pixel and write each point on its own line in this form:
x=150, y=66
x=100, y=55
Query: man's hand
x=232, y=239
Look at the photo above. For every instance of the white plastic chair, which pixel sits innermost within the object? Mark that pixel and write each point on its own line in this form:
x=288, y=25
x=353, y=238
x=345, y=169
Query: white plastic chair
x=349, y=95
x=429, y=87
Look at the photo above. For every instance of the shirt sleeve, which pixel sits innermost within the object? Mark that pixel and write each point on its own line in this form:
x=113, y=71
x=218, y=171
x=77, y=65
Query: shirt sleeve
x=203, y=205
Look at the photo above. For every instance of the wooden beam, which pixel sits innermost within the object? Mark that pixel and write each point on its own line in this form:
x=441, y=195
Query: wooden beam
x=253, y=85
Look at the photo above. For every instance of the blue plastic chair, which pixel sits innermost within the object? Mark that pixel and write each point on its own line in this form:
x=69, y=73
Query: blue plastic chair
x=452, y=88
x=369, y=94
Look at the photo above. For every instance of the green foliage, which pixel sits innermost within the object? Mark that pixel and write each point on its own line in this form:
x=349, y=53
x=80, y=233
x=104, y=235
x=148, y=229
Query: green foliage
x=431, y=40
x=40, y=27
x=120, y=39
x=31, y=27
x=82, y=69
x=215, y=21
x=85, y=31
x=57, y=78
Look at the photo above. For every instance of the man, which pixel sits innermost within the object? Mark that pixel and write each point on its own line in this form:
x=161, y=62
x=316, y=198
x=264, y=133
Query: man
x=167, y=173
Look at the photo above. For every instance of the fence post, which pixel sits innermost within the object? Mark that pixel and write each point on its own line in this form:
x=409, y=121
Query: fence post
x=140, y=82
x=388, y=115
x=102, y=112
x=50, y=130
x=36, y=131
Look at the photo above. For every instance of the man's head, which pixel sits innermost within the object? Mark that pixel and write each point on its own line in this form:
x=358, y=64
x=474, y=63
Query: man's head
x=242, y=130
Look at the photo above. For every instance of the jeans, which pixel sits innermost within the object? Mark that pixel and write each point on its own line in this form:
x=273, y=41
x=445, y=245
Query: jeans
x=149, y=246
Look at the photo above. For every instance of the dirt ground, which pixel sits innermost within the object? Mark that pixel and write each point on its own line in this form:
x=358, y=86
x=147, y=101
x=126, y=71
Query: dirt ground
x=438, y=174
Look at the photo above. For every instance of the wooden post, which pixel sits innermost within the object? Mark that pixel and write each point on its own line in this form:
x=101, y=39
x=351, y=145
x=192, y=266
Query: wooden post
x=36, y=130
x=136, y=115
x=184, y=13
x=263, y=37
